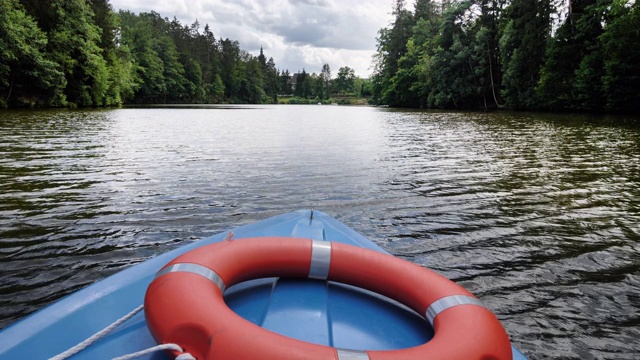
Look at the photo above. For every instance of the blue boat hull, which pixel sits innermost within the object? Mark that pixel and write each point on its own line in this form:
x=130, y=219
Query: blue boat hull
x=315, y=311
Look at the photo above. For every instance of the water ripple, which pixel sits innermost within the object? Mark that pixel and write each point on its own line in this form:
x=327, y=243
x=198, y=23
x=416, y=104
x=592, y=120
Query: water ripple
x=536, y=214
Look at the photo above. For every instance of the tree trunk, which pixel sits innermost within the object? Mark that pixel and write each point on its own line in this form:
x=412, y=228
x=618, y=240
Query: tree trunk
x=10, y=90
x=493, y=88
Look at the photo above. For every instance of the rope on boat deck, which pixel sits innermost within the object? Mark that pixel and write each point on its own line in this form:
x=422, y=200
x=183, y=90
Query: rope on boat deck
x=106, y=331
x=175, y=347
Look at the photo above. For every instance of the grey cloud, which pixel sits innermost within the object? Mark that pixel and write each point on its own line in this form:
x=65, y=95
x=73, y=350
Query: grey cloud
x=309, y=2
x=311, y=22
x=326, y=27
x=295, y=30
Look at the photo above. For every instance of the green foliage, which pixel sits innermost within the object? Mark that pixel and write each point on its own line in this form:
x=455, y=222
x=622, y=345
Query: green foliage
x=147, y=66
x=451, y=59
x=231, y=68
x=216, y=89
x=464, y=54
x=522, y=48
x=27, y=76
x=392, y=46
x=252, y=83
x=80, y=53
x=419, y=57
x=302, y=85
x=456, y=71
x=621, y=80
x=285, y=83
x=571, y=78
x=297, y=101
x=345, y=82
x=492, y=54
x=325, y=82
x=73, y=44
x=557, y=74
x=121, y=80
x=271, y=81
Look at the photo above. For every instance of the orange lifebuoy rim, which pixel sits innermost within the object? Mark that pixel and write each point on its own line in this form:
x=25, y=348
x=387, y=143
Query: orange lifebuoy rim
x=184, y=303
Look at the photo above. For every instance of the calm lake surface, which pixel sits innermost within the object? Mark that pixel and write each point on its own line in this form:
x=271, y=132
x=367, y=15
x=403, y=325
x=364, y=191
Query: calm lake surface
x=538, y=215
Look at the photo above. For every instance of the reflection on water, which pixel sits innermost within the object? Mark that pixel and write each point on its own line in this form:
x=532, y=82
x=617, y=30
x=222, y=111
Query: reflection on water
x=538, y=215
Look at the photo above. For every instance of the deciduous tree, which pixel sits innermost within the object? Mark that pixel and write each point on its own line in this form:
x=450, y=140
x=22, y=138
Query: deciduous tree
x=27, y=76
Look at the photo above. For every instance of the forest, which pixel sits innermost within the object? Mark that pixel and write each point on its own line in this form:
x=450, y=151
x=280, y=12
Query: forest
x=551, y=55
x=80, y=53
x=563, y=55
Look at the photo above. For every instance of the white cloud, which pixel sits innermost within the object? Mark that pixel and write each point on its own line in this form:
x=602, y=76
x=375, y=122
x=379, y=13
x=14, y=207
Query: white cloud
x=296, y=33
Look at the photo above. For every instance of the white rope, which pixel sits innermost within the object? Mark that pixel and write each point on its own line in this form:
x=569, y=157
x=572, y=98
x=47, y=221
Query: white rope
x=174, y=347
x=95, y=337
x=104, y=332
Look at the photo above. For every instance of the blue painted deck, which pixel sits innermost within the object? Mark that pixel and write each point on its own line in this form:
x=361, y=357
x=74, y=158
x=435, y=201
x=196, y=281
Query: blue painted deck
x=316, y=311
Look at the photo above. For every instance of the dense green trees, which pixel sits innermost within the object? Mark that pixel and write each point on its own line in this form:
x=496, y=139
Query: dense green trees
x=392, y=46
x=471, y=54
x=319, y=87
x=26, y=75
x=565, y=55
x=522, y=47
x=345, y=82
x=621, y=57
x=62, y=53
x=82, y=53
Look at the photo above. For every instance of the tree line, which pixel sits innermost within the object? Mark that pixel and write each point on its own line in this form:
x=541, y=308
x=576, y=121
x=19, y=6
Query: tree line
x=81, y=53
x=556, y=55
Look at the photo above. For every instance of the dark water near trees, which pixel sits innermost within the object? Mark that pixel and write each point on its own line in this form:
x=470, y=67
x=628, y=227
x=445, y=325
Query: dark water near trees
x=538, y=215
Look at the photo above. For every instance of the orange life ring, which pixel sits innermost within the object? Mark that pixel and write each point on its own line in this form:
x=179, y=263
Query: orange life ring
x=183, y=307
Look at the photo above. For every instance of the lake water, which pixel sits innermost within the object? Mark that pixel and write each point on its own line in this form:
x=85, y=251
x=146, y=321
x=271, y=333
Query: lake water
x=538, y=215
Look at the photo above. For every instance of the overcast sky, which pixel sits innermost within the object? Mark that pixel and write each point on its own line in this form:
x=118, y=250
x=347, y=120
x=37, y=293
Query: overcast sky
x=296, y=33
